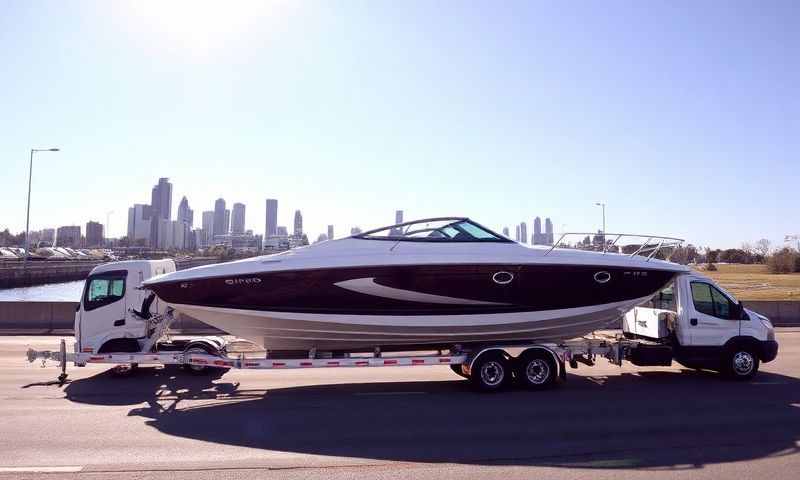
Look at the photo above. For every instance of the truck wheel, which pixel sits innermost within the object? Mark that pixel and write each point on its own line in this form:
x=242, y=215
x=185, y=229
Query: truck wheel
x=457, y=370
x=536, y=370
x=741, y=364
x=490, y=372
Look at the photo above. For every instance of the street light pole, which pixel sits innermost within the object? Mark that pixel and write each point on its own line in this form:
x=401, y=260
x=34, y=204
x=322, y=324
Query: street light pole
x=603, y=205
x=28, y=211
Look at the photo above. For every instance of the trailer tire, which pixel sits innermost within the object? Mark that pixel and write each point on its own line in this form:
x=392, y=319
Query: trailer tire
x=458, y=371
x=491, y=371
x=197, y=369
x=741, y=363
x=536, y=369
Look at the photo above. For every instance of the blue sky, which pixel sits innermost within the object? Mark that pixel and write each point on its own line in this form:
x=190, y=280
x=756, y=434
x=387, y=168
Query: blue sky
x=684, y=117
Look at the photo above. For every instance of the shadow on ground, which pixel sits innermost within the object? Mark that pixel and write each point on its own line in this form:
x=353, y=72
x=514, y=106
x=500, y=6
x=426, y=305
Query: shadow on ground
x=666, y=419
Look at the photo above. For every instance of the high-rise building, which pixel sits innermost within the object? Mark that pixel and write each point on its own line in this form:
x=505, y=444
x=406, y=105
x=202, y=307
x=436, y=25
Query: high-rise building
x=548, y=231
x=282, y=231
x=94, y=234
x=271, y=227
x=160, y=207
x=48, y=236
x=298, y=224
x=206, y=237
x=330, y=232
x=185, y=214
x=516, y=237
x=219, y=218
x=139, y=216
x=523, y=232
x=505, y=232
x=227, y=227
x=355, y=231
x=69, y=236
x=398, y=216
x=237, y=222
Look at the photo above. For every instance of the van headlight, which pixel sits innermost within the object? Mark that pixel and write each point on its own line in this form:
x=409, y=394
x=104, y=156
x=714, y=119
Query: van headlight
x=768, y=325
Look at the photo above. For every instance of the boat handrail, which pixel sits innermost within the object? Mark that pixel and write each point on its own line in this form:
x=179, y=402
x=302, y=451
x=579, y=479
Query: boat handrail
x=646, y=249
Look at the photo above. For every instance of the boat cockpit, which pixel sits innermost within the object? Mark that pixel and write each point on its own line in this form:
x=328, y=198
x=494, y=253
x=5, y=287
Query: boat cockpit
x=440, y=229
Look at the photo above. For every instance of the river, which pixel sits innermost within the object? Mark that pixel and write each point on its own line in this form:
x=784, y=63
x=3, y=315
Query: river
x=53, y=292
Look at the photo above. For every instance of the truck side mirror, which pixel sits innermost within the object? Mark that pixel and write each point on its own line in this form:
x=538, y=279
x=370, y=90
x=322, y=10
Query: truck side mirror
x=737, y=312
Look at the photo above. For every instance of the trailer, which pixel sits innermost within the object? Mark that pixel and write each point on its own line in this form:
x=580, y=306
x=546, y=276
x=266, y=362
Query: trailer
x=692, y=321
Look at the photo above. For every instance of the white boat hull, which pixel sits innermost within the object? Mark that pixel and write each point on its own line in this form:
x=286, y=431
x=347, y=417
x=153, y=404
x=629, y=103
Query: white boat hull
x=304, y=331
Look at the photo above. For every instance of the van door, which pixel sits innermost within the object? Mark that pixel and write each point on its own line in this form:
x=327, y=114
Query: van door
x=710, y=321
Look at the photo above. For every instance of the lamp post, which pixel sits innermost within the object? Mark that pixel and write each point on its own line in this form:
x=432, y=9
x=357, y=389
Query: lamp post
x=28, y=214
x=603, y=237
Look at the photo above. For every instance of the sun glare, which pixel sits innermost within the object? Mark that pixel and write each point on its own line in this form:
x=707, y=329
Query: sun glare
x=199, y=28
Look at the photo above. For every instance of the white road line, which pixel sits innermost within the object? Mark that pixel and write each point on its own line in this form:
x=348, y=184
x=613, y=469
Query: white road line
x=389, y=393
x=61, y=469
x=769, y=383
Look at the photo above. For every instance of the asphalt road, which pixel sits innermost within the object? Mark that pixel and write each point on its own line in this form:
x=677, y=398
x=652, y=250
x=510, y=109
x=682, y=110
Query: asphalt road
x=395, y=422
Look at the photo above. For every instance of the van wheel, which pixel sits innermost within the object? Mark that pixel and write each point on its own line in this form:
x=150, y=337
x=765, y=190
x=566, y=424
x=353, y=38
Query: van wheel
x=490, y=372
x=741, y=364
x=457, y=370
x=536, y=370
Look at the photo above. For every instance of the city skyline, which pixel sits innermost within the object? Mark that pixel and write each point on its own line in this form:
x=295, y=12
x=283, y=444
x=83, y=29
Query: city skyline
x=560, y=105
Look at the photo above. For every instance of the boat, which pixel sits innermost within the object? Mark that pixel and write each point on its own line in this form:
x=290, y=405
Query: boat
x=433, y=283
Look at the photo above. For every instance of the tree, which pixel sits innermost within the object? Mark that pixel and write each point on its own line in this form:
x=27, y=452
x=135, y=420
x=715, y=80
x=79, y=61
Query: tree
x=763, y=247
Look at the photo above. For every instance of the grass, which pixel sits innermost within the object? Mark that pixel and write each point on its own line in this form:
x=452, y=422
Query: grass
x=754, y=282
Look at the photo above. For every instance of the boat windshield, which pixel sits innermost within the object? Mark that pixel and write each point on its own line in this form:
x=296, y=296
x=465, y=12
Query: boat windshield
x=435, y=230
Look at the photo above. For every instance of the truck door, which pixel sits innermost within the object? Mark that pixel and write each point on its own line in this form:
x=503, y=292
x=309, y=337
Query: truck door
x=103, y=307
x=710, y=322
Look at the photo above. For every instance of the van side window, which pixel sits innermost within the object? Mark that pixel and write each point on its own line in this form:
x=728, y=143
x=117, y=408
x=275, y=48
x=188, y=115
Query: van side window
x=103, y=289
x=710, y=300
x=701, y=296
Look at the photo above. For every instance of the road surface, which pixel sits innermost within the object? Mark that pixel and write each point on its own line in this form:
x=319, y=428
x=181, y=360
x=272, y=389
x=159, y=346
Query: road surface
x=395, y=422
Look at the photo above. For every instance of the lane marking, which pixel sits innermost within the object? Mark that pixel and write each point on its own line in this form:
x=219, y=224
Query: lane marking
x=389, y=393
x=43, y=469
x=769, y=383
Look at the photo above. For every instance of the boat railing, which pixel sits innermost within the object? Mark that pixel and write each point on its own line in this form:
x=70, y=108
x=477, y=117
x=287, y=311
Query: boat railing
x=621, y=243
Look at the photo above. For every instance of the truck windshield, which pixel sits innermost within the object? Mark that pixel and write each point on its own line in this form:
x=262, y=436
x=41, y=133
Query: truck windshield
x=103, y=289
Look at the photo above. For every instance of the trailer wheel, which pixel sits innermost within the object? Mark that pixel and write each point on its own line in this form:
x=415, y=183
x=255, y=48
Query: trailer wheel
x=741, y=363
x=536, y=370
x=457, y=370
x=196, y=369
x=491, y=371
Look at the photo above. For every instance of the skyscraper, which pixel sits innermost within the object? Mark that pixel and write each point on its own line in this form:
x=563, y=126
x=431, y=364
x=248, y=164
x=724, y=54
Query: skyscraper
x=237, y=225
x=523, y=232
x=538, y=239
x=160, y=207
x=330, y=232
x=227, y=227
x=548, y=231
x=219, y=218
x=139, y=217
x=398, y=216
x=298, y=223
x=208, y=229
x=185, y=214
x=271, y=227
x=94, y=234
x=505, y=232
x=516, y=237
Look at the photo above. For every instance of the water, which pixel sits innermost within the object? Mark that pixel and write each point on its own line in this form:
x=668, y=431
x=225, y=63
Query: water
x=53, y=292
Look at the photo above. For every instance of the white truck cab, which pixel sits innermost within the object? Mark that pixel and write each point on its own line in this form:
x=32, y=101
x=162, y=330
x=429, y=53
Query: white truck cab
x=108, y=318
x=705, y=326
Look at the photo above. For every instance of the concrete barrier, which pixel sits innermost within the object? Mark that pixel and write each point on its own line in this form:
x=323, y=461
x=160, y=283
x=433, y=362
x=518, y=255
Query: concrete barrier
x=59, y=317
x=42, y=318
